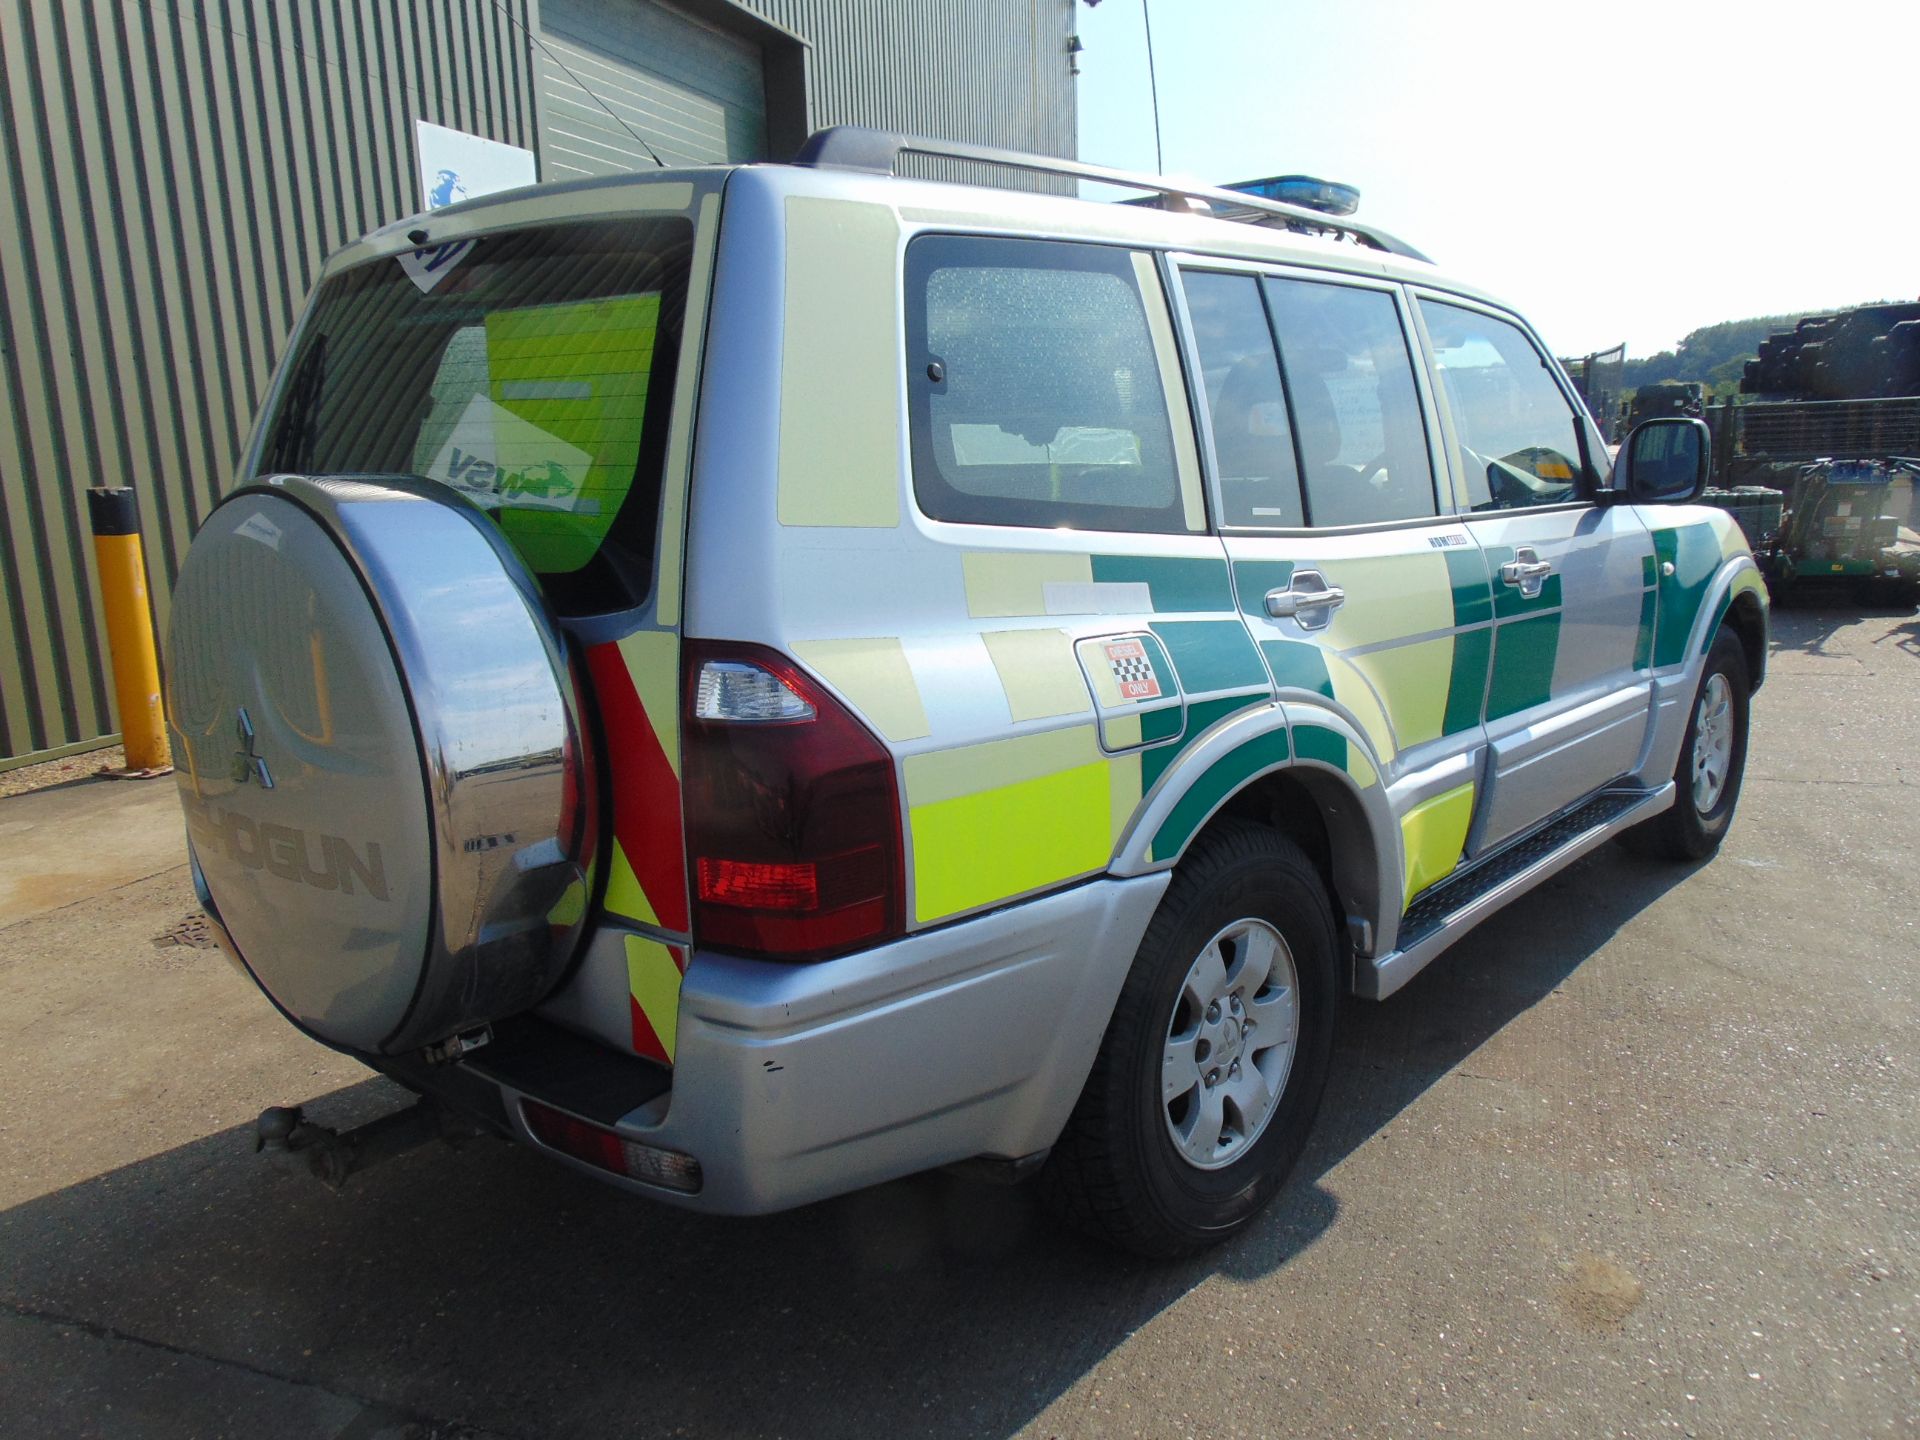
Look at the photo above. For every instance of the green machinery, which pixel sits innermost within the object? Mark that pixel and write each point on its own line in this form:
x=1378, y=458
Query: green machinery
x=1839, y=523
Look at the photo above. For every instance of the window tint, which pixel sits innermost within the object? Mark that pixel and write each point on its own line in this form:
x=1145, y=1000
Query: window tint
x=1519, y=438
x=1034, y=390
x=1252, y=437
x=1356, y=413
x=530, y=371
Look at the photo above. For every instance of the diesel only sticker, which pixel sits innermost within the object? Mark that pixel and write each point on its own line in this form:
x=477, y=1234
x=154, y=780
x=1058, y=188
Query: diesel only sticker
x=1132, y=670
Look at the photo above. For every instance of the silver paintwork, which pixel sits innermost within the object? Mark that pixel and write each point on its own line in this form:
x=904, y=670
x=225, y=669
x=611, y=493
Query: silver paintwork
x=400, y=676
x=1229, y=1044
x=796, y=1082
x=1712, y=742
x=1542, y=760
x=1377, y=979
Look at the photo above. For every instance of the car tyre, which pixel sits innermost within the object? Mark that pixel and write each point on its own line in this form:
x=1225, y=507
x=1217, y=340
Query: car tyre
x=1713, y=760
x=1135, y=1166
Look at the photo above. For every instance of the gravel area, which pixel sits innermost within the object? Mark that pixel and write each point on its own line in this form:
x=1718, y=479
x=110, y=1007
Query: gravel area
x=63, y=771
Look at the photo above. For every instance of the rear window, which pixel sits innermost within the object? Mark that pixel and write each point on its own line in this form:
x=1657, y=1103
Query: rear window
x=530, y=371
x=1034, y=388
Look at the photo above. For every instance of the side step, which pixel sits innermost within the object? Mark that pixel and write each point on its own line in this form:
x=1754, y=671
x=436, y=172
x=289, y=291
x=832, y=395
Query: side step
x=1461, y=901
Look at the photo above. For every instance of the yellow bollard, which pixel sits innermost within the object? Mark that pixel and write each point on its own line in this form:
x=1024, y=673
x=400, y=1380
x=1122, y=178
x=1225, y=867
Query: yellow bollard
x=122, y=563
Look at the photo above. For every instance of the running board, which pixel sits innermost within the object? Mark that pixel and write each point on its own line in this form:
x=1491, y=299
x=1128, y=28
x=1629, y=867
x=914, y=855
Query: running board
x=1458, y=903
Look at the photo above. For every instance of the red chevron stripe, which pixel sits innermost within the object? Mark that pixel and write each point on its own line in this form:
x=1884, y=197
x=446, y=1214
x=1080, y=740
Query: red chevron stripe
x=646, y=792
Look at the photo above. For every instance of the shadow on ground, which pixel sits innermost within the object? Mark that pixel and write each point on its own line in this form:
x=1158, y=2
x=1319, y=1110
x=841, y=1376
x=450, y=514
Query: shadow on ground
x=1810, y=622
x=488, y=1287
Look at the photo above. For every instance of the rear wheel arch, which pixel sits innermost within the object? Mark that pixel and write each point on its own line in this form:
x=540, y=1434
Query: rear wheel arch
x=1322, y=814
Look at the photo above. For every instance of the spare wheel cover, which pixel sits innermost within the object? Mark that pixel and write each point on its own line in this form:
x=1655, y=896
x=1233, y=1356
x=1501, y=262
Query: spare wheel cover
x=377, y=736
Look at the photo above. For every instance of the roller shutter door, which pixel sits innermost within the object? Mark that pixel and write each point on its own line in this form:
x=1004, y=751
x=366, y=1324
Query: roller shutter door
x=693, y=93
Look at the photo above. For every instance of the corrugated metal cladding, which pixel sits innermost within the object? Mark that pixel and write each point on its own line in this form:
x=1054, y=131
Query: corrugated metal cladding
x=174, y=171
x=613, y=72
x=989, y=72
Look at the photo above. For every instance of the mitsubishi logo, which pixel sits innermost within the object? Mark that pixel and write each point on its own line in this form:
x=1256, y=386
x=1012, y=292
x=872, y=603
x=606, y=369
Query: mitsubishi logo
x=247, y=765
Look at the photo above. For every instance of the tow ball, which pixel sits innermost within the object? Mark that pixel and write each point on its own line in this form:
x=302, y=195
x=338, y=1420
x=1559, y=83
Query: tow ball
x=334, y=1155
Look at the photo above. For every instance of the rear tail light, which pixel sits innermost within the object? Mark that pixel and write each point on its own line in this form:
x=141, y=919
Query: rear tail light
x=792, y=811
x=602, y=1148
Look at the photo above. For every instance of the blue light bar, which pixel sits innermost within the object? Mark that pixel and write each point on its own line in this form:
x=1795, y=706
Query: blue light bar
x=1329, y=197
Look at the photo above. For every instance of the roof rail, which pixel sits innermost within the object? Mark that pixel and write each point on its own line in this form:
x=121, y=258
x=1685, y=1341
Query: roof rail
x=878, y=152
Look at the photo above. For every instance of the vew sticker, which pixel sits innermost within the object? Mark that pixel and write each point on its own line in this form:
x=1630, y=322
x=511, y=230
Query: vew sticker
x=1132, y=670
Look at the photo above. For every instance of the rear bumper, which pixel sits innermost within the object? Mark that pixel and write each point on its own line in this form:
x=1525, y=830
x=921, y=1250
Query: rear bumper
x=792, y=1083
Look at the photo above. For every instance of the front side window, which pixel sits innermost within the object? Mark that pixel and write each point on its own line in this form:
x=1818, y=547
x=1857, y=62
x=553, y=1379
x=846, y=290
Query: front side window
x=1356, y=410
x=530, y=371
x=1519, y=437
x=1034, y=389
x=1246, y=405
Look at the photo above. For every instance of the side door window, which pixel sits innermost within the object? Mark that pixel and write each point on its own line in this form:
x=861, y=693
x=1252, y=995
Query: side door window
x=1355, y=409
x=1518, y=437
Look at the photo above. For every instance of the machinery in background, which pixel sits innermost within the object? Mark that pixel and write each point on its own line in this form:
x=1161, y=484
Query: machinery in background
x=1838, y=524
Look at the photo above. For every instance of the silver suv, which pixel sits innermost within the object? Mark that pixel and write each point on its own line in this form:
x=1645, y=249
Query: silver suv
x=759, y=681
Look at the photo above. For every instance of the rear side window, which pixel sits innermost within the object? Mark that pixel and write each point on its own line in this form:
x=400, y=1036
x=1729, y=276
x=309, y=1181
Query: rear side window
x=1034, y=390
x=1356, y=411
x=530, y=371
x=1519, y=435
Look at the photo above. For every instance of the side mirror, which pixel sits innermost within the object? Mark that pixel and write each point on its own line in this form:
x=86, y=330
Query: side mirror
x=1664, y=461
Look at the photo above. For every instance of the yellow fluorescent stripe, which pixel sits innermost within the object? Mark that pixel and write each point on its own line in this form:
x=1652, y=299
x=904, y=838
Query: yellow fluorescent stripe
x=1361, y=768
x=654, y=981
x=1351, y=689
x=686, y=385
x=1122, y=731
x=571, y=905
x=1038, y=672
x=1012, y=582
x=840, y=368
x=1166, y=353
x=653, y=663
x=1413, y=680
x=875, y=677
x=1382, y=591
x=975, y=849
x=970, y=769
x=624, y=895
x=1434, y=832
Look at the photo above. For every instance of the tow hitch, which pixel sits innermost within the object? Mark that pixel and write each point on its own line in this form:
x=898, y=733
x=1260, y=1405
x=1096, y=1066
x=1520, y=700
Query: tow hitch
x=333, y=1155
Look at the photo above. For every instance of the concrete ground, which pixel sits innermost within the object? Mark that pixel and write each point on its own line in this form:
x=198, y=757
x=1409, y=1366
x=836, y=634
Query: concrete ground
x=1640, y=1156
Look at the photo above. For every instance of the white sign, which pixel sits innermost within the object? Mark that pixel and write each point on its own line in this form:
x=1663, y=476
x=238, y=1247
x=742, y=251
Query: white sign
x=456, y=166
x=495, y=458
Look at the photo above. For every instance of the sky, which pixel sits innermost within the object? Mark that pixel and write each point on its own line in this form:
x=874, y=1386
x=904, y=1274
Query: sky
x=1616, y=169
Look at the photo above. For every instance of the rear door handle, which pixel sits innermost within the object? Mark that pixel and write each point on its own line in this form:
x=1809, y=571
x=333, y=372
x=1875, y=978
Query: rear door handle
x=1309, y=600
x=1526, y=572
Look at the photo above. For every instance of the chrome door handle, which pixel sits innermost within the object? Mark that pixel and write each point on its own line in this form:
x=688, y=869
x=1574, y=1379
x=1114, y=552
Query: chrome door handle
x=1527, y=572
x=1309, y=600
x=1518, y=572
x=1282, y=603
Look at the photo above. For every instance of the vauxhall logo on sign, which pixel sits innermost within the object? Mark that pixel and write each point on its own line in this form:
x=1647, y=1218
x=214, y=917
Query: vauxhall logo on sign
x=326, y=862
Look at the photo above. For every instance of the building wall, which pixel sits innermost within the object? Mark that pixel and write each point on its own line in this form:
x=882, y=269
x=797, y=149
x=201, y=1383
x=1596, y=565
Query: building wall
x=990, y=72
x=175, y=171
